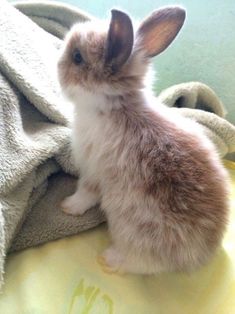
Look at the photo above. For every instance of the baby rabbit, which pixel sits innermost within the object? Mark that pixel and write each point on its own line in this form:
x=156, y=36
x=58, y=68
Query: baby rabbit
x=156, y=175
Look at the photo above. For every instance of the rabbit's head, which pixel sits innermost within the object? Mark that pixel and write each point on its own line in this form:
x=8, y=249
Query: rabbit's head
x=110, y=57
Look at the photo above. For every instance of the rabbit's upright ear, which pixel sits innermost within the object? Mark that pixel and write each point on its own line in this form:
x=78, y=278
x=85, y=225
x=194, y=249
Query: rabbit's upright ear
x=158, y=30
x=119, y=40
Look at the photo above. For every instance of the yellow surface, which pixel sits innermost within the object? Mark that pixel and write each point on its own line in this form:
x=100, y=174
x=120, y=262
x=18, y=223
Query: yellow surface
x=63, y=277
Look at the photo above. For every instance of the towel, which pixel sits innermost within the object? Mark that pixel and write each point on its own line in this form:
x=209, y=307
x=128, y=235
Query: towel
x=36, y=171
x=36, y=167
x=197, y=101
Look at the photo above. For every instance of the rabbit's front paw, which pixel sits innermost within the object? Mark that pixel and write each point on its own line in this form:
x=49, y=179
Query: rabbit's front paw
x=73, y=205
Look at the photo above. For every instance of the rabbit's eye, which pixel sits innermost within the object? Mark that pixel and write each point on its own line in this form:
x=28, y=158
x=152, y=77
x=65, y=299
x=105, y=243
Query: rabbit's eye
x=77, y=57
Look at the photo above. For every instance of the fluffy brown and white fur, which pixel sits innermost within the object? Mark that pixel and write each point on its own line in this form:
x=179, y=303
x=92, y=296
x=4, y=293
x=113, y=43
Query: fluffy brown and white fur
x=156, y=175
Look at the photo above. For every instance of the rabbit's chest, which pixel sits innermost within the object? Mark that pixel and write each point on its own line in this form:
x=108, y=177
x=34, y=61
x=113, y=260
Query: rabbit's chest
x=89, y=138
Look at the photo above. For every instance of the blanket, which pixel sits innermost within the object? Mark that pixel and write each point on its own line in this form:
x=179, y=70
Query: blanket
x=36, y=167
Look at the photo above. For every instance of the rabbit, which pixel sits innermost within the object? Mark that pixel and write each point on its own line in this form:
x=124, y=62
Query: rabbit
x=157, y=177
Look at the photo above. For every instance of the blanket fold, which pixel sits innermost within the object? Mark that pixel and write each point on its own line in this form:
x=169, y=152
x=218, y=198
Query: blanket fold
x=36, y=167
x=210, y=112
x=54, y=17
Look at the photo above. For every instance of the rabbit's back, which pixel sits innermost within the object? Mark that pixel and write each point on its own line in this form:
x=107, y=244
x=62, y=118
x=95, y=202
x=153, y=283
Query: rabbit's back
x=166, y=191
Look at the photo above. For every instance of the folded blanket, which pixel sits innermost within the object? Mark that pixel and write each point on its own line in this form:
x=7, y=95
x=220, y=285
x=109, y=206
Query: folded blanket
x=36, y=168
x=35, y=154
x=210, y=113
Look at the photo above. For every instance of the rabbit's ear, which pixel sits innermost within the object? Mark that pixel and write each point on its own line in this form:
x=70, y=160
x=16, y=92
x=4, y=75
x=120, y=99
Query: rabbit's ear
x=119, y=40
x=157, y=31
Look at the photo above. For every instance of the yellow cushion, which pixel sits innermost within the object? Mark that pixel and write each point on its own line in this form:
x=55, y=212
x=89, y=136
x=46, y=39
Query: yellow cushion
x=64, y=277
